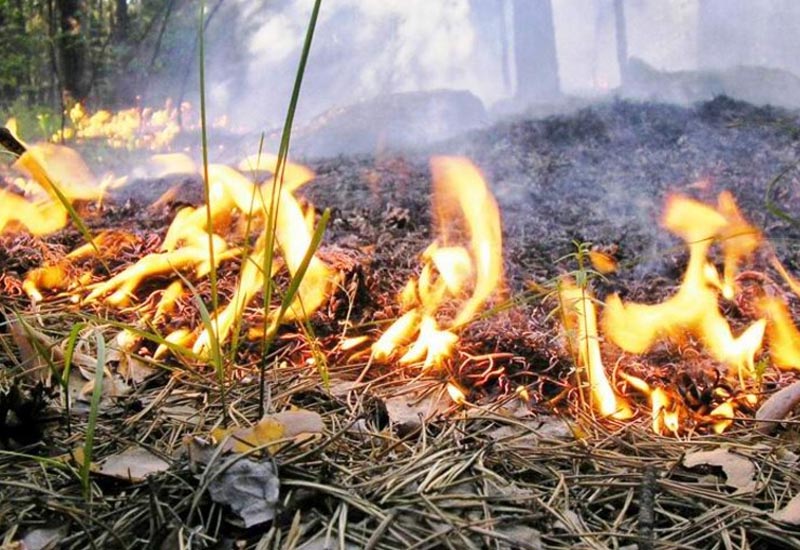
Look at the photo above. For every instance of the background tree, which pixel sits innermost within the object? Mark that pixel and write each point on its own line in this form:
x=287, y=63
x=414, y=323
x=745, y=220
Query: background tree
x=72, y=48
x=535, y=50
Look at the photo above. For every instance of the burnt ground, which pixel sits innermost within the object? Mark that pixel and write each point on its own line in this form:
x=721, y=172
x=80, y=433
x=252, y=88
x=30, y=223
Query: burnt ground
x=600, y=175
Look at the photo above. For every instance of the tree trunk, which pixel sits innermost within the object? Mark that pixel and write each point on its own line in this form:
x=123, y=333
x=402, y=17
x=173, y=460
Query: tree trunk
x=72, y=49
x=535, y=51
x=622, y=41
x=121, y=22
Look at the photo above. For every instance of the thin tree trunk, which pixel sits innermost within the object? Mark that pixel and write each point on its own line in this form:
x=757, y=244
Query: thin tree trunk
x=535, y=50
x=72, y=48
x=121, y=22
x=622, y=41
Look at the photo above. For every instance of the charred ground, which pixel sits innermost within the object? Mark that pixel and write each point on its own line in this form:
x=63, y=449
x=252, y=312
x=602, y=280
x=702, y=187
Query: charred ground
x=599, y=175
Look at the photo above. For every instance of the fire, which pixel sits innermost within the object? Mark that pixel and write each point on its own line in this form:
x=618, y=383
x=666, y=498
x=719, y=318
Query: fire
x=186, y=246
x=783, y=336
x=462, y=268
x=134, y=128
x=580, y=321
x=694, y=308
x=55, y=176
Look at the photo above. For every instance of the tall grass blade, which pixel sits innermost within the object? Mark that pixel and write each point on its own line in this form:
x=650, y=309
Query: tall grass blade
x=286, y=302
x=216, y=354
x=277, y=184
x=97, y=394
x=773, y=208
x=204, y=141
x=72, y=340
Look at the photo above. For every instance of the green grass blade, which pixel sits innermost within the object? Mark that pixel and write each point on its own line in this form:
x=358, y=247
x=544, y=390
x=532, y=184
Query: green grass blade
x=773, y=208
x=277, y=183
x=204, y=141
x=216, y=355
x=72, y=340
x=75, y=217
x=97, y=394
x=297, y=278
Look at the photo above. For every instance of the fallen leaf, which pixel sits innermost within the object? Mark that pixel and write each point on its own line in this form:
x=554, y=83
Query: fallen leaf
x=407, y=412
x=130, y=367
x=133, y=369
x=44, y=538
x=276, y=429
x=789, y=513
x=739, y=471
x=29, y=344
x=182, y=413
x=527, y=433
x=775, y=409
x=133, y=464
x=249, y=488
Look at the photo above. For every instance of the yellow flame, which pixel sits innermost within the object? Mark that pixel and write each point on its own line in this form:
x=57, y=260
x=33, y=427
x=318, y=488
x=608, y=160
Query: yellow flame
x=581, y=321
x=665, y=414
x=782, y=334
x=724, y=412
x=146, y=128
x=456, y=394
x=739, y=240
x=694, y=308
x=462, y=267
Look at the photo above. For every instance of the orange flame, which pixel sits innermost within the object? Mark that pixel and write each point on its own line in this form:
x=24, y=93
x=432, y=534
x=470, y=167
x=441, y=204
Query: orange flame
x=782, y=334
x=186, y=246
x=581, y=321
x=463, y=266
x=694, y=308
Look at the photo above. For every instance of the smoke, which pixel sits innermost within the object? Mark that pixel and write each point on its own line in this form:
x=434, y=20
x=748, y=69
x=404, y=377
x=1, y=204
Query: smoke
x=363, y=49
x=682, y=50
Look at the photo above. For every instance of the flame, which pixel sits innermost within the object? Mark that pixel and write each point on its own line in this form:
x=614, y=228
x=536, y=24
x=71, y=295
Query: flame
x=694, y=308
x=665, y=414
x=57, y=176
x=782, y=334
x=186, y=246
x=581, y=322
x=132, y=128
x=463, y=267
x=456, y=393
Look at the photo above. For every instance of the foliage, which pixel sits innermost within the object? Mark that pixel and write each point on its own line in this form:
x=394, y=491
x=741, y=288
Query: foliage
x=119, y=48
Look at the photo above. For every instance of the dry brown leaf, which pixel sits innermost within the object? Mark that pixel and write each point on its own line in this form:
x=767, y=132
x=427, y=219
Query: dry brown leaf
x=407, y=412
x=133, y=464
x=739, y=471
x=28, y=342
x=777, y=407
x=133, y=369
x=182, y=413
x=789, y=513
x=276, y=429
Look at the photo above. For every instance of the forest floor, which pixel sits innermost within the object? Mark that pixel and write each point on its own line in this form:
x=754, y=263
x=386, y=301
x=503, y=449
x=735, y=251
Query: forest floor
x=398, y=463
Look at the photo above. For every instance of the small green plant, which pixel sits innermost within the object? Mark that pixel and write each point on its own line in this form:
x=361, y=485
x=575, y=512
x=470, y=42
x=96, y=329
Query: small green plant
x=582, y=277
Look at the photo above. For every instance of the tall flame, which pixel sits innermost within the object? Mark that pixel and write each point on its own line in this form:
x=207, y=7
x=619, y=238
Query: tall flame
x=581, y=322
x=463, y=266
